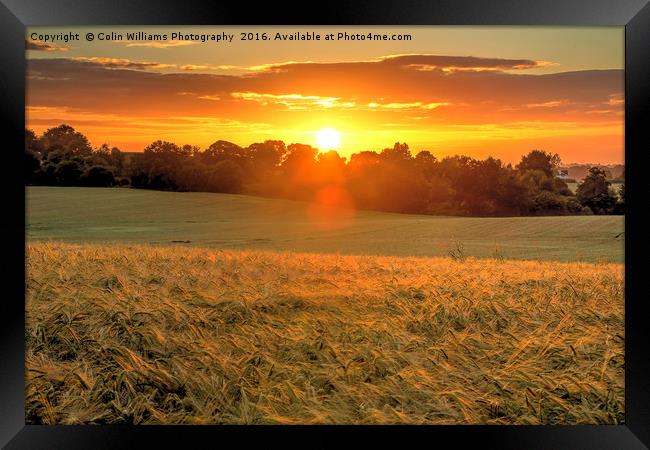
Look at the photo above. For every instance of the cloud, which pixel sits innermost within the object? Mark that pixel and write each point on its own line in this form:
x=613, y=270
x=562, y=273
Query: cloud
x=193, y=67
x=44, y=46
x=124, y=63
x=276, y=66
x=420, y=62
x=148, y=125
x=549, y=104
x=615, y=100
x=157, y=44
x=294, y=101
x=210, y=97
x=204, y=67
x=413, y=105
x=120, y=63
x=461, y=63
x=385, y=89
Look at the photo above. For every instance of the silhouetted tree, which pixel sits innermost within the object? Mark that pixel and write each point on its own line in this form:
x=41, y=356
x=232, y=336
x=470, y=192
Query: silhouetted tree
x=32, y=157
x=68, y=173
x=225, y=176
x=223, y=150
x=299, y=170
x=361, y=182
x=391, y=180
x=426, y=163
x=65, y=139
x=33, y=143
x=514, y=196
x=266, y=155
x=98, y=176
x=331, y=168
x=540, y=160
x=399, y=153
x=620, y=203
x=595, y=192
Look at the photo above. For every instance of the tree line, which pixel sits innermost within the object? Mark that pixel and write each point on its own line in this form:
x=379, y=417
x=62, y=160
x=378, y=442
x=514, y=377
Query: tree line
x=392, y=180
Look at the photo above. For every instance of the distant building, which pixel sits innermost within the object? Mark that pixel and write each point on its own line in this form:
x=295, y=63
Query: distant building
x=563, y=174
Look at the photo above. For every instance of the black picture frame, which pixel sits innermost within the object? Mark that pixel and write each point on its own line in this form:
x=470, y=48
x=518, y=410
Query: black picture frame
x=15, y=15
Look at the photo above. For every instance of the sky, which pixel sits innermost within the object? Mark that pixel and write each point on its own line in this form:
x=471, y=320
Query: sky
x=477, y=91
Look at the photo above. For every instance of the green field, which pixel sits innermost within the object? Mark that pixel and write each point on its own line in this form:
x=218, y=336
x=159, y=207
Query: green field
x=244, y=222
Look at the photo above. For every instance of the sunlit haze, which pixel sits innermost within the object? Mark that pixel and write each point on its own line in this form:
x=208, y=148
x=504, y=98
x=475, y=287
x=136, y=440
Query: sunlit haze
x=328, y=139
x=478, y=91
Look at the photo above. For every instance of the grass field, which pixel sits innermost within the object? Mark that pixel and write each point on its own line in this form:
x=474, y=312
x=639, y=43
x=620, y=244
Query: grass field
x=244, y=222
x=142, y=334
x=160, y=307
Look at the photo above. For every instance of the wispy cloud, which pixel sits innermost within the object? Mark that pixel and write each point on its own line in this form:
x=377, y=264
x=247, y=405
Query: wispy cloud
x=210, y=97
x=412, y=105
x=615, y=100
x=461, y=63
x=44, y=46
x=294, y=101
x=158, y=44
x=209, y=68
x=193, y=67
x=121, y=63
x=549, y=104
x=426, y=63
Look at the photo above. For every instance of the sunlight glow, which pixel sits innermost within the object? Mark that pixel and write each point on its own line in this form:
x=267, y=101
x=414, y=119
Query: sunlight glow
x=328, y=139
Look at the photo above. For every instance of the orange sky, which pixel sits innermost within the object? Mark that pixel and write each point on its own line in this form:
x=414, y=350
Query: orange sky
x=480, y=91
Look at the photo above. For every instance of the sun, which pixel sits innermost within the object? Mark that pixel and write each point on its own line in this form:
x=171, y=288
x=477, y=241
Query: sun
x=328, y=139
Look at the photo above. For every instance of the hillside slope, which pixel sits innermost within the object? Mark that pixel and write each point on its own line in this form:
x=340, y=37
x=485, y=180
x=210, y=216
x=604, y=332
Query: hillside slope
x=245, y=222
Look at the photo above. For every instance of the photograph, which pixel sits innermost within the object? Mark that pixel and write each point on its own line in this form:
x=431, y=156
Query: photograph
x=325, y=225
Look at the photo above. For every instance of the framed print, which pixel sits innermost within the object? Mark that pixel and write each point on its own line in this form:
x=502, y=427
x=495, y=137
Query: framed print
x=232, y=222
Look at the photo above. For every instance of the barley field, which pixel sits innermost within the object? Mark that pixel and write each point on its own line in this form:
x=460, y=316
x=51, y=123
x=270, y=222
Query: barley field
x=145, y=334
